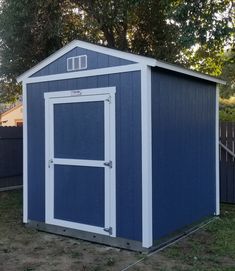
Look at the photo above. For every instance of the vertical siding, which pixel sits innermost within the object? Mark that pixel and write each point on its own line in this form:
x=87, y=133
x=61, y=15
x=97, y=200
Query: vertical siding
x=94, y=61
x=183, y=136
x=128, y=146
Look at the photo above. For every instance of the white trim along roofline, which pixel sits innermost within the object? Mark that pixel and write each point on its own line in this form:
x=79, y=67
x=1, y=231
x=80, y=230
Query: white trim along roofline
x=196, y=74
x=90, y=46
x=137, y=59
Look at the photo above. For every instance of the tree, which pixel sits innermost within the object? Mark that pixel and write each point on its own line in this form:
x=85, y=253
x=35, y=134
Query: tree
x=139, y=26
x=29, y=31
x=192, y=33
x=206, y=27
x=228, y=74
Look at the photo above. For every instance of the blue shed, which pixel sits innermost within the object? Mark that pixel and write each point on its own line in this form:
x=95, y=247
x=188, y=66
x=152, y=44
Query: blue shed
x=119, y=148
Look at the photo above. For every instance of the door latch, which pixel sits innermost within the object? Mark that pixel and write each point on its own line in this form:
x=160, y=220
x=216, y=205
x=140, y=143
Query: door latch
x=50, y=161
x=109, y=164
x=109, y=230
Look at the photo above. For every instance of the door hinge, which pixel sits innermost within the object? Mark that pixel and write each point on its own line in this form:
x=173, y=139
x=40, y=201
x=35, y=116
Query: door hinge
x=109, y=99
x=50, y=161
x=109, y=230
x=109, y=164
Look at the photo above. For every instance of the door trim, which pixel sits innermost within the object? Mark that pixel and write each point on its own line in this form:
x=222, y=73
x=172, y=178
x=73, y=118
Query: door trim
x=85, y=95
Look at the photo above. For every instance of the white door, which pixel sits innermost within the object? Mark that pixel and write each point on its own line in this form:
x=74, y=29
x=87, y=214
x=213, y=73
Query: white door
x=80, y=160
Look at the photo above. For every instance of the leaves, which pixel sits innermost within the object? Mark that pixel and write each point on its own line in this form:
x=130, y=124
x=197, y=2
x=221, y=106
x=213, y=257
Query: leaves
x=191, y=33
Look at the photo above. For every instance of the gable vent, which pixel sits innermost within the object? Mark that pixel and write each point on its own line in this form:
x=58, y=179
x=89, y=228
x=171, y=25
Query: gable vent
x=77, y=63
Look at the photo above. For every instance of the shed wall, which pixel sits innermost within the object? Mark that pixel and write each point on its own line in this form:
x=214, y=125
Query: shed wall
x=183, y=151
x=128, y=146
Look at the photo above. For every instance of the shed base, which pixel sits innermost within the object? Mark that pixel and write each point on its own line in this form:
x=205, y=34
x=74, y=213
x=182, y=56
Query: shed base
x=88, y=236
x=117, y=241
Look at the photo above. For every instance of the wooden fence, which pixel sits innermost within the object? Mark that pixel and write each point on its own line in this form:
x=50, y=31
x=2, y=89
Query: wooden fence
x=227, y=162
x=11, y=157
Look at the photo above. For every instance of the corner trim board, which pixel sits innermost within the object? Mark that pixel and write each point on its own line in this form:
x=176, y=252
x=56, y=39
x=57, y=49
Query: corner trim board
x=217, y=211
x=146, y=130
x=25, y=156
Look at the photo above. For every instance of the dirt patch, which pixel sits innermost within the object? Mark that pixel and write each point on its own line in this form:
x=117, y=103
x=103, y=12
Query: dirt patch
x=25, y=249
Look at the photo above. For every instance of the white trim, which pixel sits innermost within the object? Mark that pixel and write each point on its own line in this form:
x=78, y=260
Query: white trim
x=25, y=156
x=179, y=69
x=68, y=59
x=80, y=92
x=79, y=99
x=80, y=65
x=107, y=198
x=142, y=60
x=97, y=48
x=146, y=129
x=49, y=151
x=112, y=155
x=78, y=162
x=77, y=226
x=86, y=73
x=73, y=58
x=217, y=152
x=107, y=95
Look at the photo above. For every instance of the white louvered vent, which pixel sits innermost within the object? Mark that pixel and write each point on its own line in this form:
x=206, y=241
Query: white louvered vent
x=83, y=62
x=77, y=63
x=69, y=64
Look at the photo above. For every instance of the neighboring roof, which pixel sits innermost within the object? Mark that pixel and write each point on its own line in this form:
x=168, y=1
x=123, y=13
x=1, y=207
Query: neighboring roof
x=11, y=109
x=116, y=53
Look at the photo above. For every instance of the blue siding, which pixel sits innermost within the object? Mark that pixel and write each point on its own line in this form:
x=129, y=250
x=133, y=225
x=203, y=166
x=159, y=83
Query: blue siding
x=79, y=130
x=183, y=151
x=128, y=146
x=79, y=194
x=94, y=61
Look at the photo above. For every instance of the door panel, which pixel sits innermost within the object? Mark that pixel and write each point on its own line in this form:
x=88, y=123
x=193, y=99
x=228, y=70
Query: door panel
x=79, y=194
x=80, y=164
x=79, y=130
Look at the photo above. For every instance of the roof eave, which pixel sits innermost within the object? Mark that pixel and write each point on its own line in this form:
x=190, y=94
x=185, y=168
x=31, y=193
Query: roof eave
x=142, y=60
x=190, y=72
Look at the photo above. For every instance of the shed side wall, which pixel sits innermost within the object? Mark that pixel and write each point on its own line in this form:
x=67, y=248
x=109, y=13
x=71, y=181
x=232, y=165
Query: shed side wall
x=183, y=151
x=128, y=147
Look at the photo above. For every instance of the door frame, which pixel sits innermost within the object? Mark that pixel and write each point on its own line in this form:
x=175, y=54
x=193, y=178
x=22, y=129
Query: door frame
x=106, y=94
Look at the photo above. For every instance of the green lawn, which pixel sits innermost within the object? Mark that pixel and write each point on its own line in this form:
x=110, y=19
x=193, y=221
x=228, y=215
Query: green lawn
x=210, y=248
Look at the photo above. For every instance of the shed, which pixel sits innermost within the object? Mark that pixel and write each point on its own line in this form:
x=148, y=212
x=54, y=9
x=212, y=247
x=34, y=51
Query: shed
x=119, y=149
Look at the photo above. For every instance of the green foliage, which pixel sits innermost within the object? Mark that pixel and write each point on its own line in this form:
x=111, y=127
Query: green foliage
x=228, y=74
x=191, y=33
x=227, y=114
x=10, y=92
x=227, y=109
x=29, y=31
x=205, y=28
x=211, y=248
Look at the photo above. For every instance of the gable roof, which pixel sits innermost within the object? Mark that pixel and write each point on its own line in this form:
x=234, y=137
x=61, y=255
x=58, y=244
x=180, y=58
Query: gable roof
x=148, y=61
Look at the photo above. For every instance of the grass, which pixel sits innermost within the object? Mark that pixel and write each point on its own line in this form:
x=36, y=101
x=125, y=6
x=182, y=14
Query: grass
x=23, y=249
x=210, y=249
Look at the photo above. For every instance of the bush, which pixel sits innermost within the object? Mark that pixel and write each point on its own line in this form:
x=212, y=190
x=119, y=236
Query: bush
x=227, y=109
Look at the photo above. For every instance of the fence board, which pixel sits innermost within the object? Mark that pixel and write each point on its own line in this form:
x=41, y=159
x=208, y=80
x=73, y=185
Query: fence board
x=227, y=163
x=11, y=157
